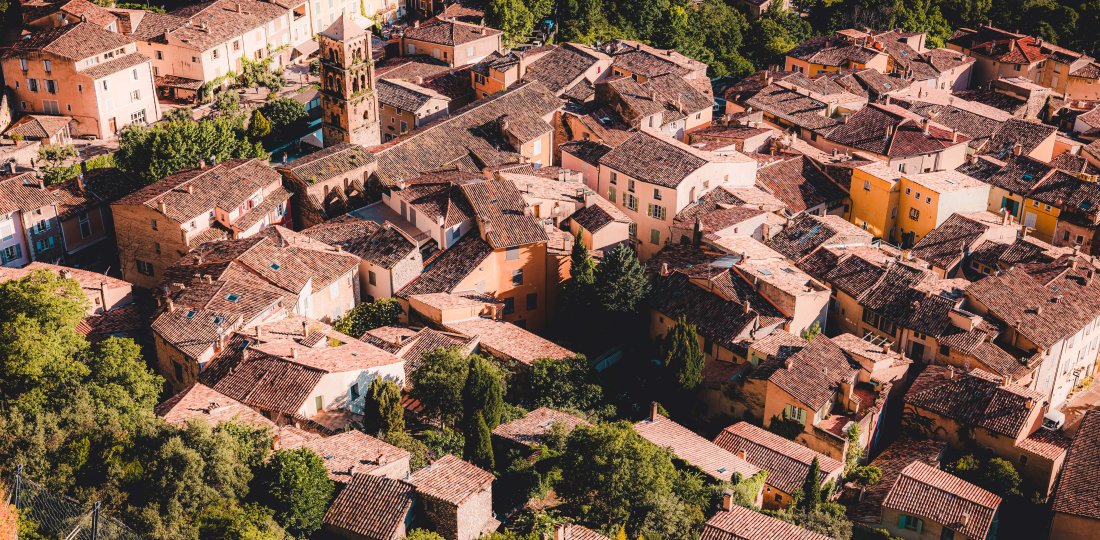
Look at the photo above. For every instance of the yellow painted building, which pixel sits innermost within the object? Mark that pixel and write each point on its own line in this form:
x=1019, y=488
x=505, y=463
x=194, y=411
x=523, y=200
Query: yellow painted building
x=902, y=208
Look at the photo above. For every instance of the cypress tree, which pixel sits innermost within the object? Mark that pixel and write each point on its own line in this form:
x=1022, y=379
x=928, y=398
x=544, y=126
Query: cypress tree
x=479, y=444
x=484, y=392
x=621, y=283
x=684, y=354
x=811, y=489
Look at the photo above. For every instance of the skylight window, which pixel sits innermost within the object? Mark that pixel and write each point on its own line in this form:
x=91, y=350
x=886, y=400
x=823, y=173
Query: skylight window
x=275, y=266
x=191, y=313
x=233, y=297
x=765, y=272
x=218, y=319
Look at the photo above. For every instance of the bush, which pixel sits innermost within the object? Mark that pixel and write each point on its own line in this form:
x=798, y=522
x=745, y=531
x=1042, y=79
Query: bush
x=368, y=316
x=298, y=488
x=866, y=475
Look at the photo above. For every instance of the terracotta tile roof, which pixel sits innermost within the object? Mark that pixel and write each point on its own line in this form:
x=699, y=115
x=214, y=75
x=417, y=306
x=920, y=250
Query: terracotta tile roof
x=329, y=162
x=201, y=401
x=779, y=343
x=372, y=507
x=805, y=232
x=448, y=270
x=828, y=51
x=351, y=453
x=101, y=186
x=927, y=492
x=800, y=184
x=381, y=245
x=890, y=130
x=948, y=242
x=120, y=63
x=79, y=9
x=429, y=73
x=1016, y=174
x=696, y=451
x=852, y=273
x=598, y=215
x=208, y=24
x=895, y=458
x=1066, y=191
x=587, y=151
x=786, y=461
x=979, y=127
x=191, y=193
x=72, y=41
x=531, y=430
x=405, y=96
x=573, y=531
x=977, y=398
x=438, y=194
x=450, y=33
x=1000, y=45
x=811, y=375
x=1046, y=443
x=1044, y=312
x=473, y=133
x=263, y=381
x=344, y=27
x=501, y=214
x=125, y=321
x=451, y=480
x=560, y=68
x=1026, y=133
x=653, y=159
x=510, y=340
x=1078, y=490
x=38, y=126
x=793, y=107
x=22, y=192
x=739, y=523
x=428, y=340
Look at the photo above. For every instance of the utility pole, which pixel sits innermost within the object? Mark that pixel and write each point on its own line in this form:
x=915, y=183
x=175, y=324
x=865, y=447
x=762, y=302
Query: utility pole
x=95, y=520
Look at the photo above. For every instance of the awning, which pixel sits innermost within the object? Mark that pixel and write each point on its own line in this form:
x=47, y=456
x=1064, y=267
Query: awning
x=305, y=49
x=173, y=81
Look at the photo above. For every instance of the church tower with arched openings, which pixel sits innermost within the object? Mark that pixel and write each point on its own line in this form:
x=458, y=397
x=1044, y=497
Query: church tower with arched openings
x=348, y=98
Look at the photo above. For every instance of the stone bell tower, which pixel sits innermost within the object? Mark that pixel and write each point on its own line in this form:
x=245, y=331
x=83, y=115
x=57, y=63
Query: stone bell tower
x=348, y=99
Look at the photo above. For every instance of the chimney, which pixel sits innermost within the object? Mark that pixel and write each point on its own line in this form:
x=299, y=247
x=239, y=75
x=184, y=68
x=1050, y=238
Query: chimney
x=748, y=306
x=305, y=328
x=727, y=500
x=562, y=531
x=294, y=352
x=924, y=125
x=1017, y=149
x=664, y=269
x=964, y=518
x=950, y=373
x=163, y=208
x=653, y=414
x=885, y=348
x=954, y=135
x=171, y=305
x=889, y=132
x=1029, y=403
x=189, y=189
x=416, y=24
x=741, y=454
x=81, y=187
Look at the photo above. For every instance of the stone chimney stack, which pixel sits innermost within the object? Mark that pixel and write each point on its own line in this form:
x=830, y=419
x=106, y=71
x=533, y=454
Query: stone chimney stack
x=727, y=501
x=653, y=414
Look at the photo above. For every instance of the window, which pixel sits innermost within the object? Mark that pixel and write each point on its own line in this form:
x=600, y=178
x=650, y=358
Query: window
x=23, y=64
x=656, y=194
x=911, y=523
x=611, y=193
x=41, y=226
x=44, y=244
x=214, y=54
x=1023, y=459
x=536, y=148
x=236, y=45
x=144, y=268
x=156, y=247
x=630, y=201
x=657, y=211
x=914, y=213
x=901, y=169
x=194, y=59
x=632, y=229
x=509, y=305
x=479, y=78
x=655, y=237
x=138, y=116
x=517, y=277
x=630, y=185
x=153, y=224
x=372, y=278
x=32, y=85
x=798, y=414
x=104, y=85
x=867, y=185
x=51, y=86
x=918, y=195
x=469, y=52
x=532, y=301
x=1079, y=239
x=135, y=95
x=404, y=126
x=85, y=225
x=179, y=371
x=614, y=175
x=512, y=254
x=894, y=212
x=50, y=106
x=319, y=403
x=160, y=55
x=928, y=200
x=354, y=391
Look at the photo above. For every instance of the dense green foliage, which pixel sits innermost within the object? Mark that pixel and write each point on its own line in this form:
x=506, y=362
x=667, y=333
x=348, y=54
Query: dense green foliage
x=483, y=394
x=684, y=355
x=286, y=116
x=439, y=382
x=621, y=282
x=368, y=316
x=153, y=152
x=511, y=17
x=296, y=485
x=258, y=125
x=479, y=444
x=568, y=383
x=995, y=474
x=810, y=498
x=53, y=158
x=382, y=411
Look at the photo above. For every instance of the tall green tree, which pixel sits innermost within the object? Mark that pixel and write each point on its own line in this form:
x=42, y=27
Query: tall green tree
x=479, y=444
x=511, y=17
x=811, y=489
x=483, y=394
x=368, y=316
x=382, y=410
x=438, y=384
x=684, y=354
x=621, y=283
x=566, y=383
x=296, y=485
x=258, y=126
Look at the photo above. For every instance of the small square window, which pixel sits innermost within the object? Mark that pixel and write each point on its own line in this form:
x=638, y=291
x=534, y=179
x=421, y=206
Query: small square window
x=509, y=305
x=233, y=297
